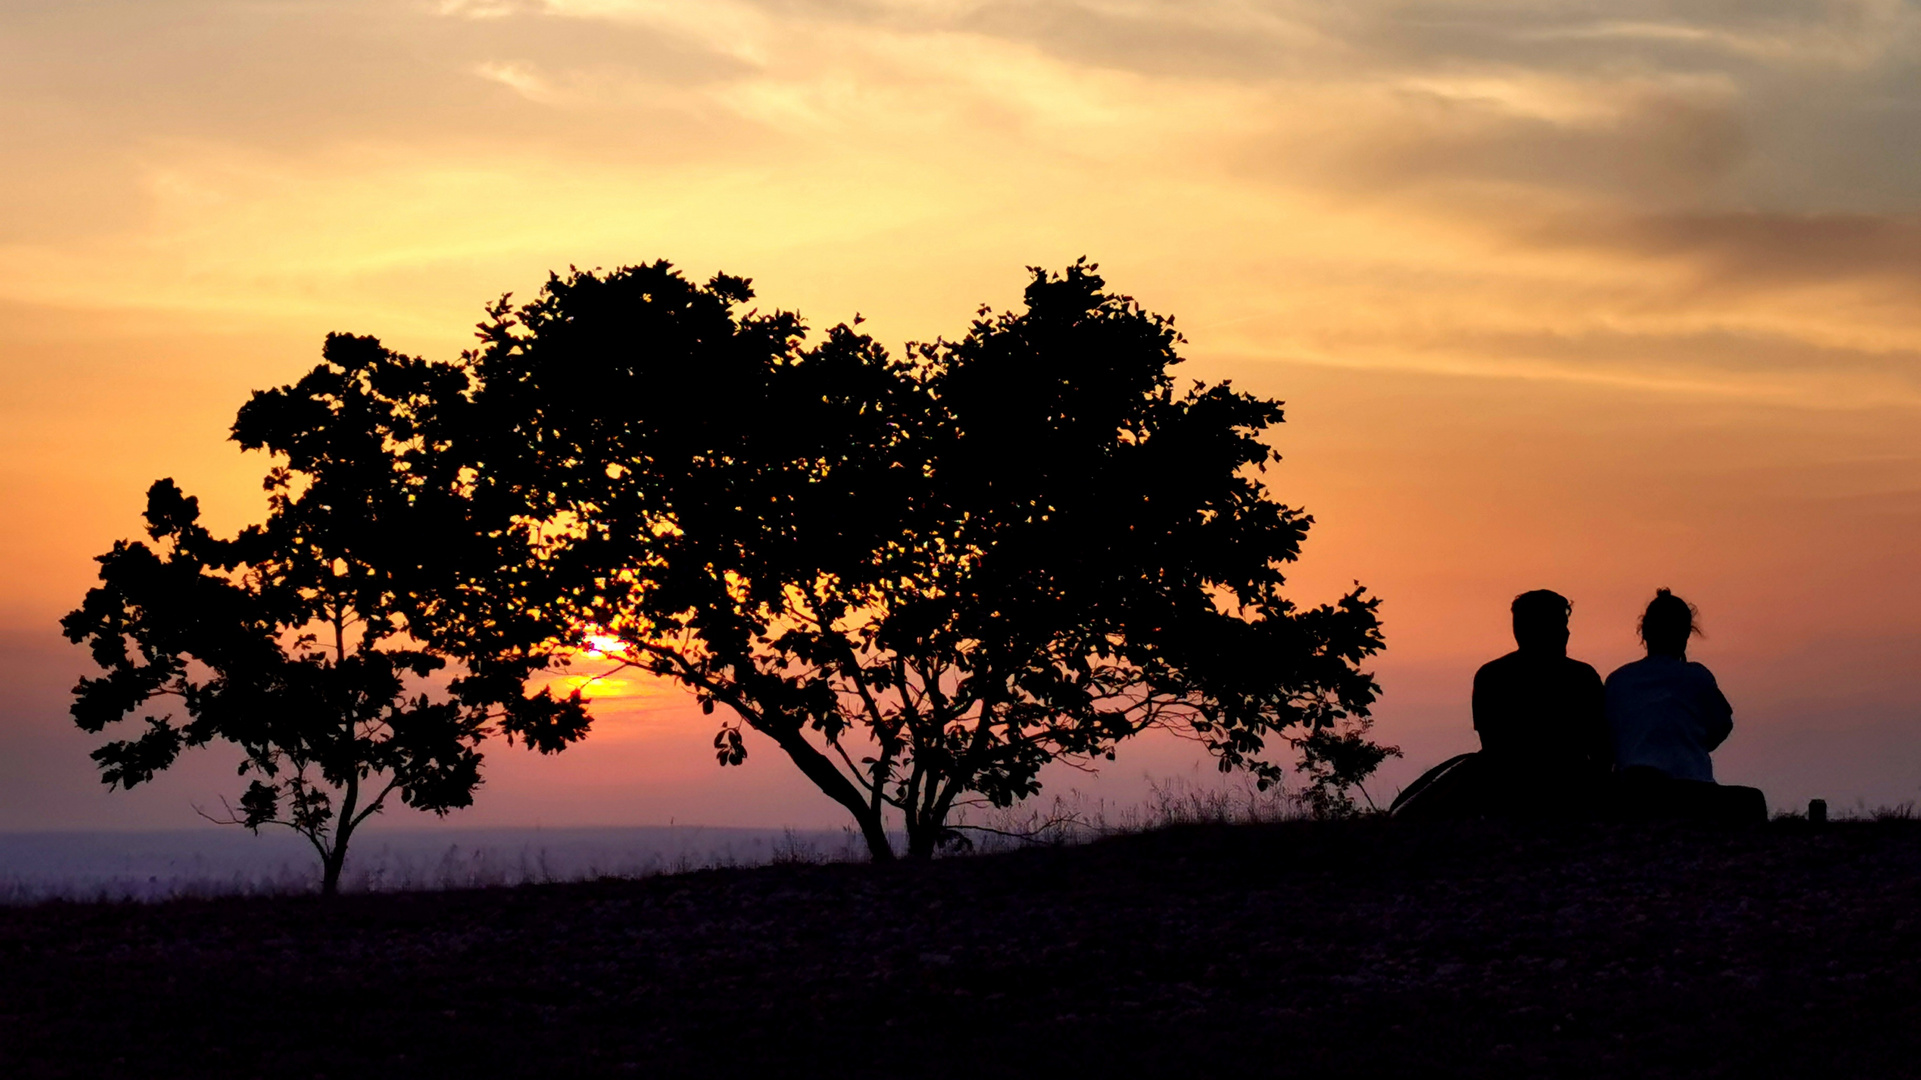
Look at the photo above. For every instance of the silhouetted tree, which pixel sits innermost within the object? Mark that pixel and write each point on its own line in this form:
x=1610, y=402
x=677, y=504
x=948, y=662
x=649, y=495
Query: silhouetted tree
x=923, y=577
x=309, y=640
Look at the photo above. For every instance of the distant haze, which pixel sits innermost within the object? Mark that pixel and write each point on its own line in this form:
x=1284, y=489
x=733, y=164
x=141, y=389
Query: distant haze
x=1591, y=297
x=160, y=865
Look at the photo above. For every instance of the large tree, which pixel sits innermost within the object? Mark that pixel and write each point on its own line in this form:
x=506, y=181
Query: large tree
x=922, y=577
x=347, y=645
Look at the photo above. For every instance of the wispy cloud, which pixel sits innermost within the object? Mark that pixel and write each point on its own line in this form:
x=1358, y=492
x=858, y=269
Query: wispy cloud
x=1508, y=169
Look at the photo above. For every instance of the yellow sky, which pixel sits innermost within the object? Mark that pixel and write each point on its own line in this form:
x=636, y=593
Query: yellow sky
x=1589, y=296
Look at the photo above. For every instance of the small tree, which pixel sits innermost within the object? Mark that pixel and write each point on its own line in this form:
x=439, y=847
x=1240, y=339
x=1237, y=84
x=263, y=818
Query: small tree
x=308, y=641
x=924, y=577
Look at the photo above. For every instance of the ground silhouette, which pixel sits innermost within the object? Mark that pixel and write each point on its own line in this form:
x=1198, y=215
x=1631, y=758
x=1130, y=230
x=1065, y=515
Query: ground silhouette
x=1359, y=948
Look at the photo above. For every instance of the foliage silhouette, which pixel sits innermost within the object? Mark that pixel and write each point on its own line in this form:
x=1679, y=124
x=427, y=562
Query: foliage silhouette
x=308, y=640
x=925, y=576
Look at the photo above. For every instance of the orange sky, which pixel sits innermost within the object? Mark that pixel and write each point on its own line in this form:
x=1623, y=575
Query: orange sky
x=1597, y=297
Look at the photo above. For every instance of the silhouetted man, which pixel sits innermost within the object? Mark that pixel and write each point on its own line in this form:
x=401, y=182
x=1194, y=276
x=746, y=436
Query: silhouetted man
x=1541, y=715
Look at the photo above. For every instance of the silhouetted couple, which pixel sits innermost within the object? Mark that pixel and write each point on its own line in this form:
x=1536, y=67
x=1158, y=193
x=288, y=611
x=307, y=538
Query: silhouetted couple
x=1557, y=741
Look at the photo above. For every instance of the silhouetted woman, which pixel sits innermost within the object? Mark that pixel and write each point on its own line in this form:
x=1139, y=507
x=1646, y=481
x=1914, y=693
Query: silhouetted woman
x=1665, y=712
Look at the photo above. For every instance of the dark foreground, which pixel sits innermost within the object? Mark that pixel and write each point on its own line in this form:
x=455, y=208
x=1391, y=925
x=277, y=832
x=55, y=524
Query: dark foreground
x=1289, y=950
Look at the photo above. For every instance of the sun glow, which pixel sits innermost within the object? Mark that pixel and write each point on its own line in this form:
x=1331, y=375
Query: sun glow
x=604, y=645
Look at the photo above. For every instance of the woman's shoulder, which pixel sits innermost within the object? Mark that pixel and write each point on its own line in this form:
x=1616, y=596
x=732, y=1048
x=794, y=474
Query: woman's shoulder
x=1699, y=672
x=1633, y=669
x=1661, y=669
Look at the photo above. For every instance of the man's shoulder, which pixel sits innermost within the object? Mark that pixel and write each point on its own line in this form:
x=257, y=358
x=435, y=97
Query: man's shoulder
x=1500, y=665
x=1518, y=661
x=1581, y=675
x=1580, y=669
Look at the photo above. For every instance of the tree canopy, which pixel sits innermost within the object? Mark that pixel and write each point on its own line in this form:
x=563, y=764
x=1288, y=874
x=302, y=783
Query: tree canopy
x=923, y=576
x=315, y=641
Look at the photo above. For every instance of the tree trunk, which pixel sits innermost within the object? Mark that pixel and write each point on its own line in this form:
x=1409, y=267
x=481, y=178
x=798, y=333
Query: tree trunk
x=330, y=869
x=874, y=831
x=337, y=855
x=825, y=776
x=923, y=836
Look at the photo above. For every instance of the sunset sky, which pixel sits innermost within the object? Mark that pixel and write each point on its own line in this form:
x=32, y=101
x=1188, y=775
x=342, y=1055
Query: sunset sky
x=1596, y=297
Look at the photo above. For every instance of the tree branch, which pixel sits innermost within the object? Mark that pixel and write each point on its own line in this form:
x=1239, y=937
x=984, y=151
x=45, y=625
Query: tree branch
x=373, y=807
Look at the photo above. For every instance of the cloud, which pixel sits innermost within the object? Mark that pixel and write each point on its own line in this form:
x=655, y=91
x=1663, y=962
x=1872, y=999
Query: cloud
x=1649, y=142
x=1759, y=250
x=482, y=9
x=1414, y=178
x=1751, y=366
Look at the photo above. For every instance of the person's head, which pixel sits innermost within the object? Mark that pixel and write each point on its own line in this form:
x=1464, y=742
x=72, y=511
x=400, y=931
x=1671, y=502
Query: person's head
x=1667, y=624
x=1540, y=621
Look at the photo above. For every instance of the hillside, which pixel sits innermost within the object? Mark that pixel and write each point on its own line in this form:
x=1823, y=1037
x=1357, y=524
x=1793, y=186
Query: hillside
x=1291, y=949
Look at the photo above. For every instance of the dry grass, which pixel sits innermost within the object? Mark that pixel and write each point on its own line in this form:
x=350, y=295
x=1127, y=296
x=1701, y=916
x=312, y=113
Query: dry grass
x=1369, y=947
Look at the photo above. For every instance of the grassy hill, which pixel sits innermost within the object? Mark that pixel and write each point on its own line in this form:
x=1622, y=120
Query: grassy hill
x=1294, y=949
